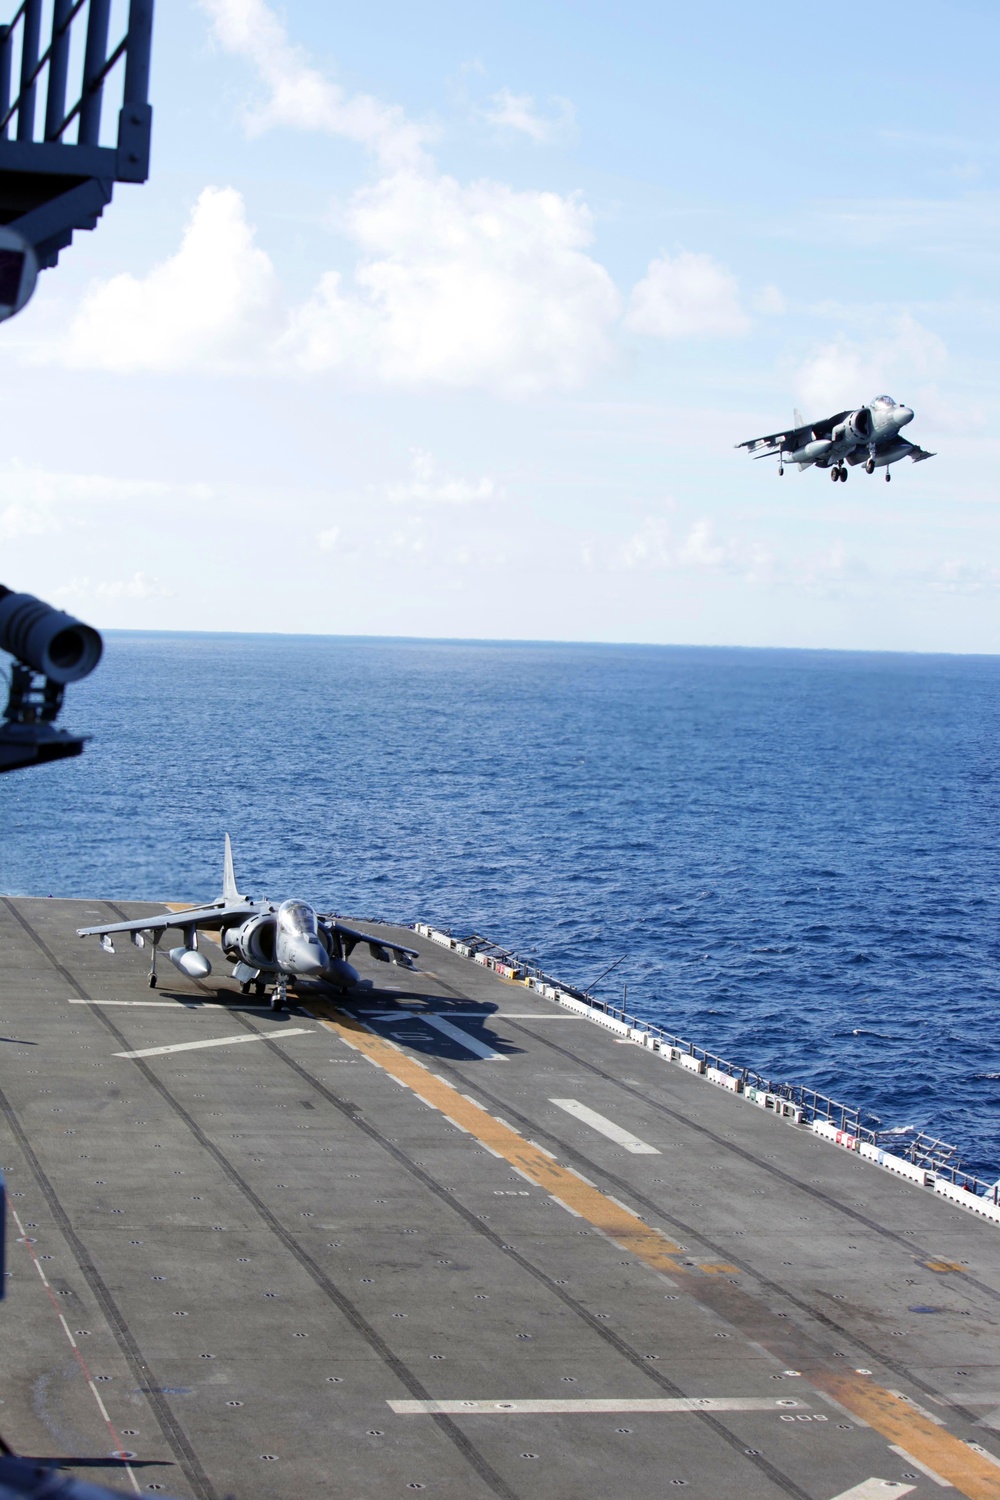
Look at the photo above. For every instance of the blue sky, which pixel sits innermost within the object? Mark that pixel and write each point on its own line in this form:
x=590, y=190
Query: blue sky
x=445, y=321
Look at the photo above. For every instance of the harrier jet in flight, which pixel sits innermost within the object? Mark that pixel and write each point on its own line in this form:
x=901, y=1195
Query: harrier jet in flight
x=868, y=436
x=267, y=944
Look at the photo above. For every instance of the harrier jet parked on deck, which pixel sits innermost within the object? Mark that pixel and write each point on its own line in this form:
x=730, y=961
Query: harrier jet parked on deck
x=267, y=944
x=868, y=436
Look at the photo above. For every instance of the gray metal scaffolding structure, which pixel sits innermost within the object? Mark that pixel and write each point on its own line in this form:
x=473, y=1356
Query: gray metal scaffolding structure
x=51, y=185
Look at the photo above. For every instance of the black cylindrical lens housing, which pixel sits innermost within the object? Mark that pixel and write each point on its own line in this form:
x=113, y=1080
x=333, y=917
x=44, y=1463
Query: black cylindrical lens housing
x=46, y=639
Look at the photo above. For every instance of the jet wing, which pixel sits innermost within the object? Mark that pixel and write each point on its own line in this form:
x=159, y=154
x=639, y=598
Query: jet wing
x=217, y=914
x=917, y=454
x=794, y=437
x=378, y=947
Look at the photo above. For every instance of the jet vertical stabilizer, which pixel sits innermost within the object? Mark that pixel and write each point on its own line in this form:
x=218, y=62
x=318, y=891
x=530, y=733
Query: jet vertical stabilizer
x=230, y=894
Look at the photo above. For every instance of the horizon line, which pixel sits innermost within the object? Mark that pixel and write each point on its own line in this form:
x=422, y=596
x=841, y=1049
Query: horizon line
x=449, y=640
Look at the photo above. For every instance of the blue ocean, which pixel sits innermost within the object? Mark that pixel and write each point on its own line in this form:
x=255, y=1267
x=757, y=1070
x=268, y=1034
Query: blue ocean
x=794, y=853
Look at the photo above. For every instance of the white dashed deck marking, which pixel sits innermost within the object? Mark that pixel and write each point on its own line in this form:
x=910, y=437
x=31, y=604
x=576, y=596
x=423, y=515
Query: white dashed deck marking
x=875, y=1489
x=606, y=1127
x=539, y=1406
x=219, y=1041
x=463, y=1038
x=921, y=1468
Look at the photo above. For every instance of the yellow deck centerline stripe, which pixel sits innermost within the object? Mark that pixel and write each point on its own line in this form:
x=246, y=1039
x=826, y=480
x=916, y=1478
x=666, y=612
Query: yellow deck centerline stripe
x=972, y=1474
x=563, y=1184
x=947, y=1455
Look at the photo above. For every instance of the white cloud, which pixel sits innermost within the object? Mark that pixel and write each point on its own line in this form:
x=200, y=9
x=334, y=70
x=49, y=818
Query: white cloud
x=18, y=521
x=652, y=546
x=328, y=539
x=40, y=502
x=956, y=576
x=845, y=373
x=770, y=302
x=517, y=112
x=139, y=586
x=463, y=285
x=298, y=95
x=478, y=285
x=427, y=483
x=215, y=302
x=687, y=296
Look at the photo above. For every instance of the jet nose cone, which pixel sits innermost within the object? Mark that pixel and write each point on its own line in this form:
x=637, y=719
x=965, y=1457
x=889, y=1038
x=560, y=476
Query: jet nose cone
x=308, y=956
x=904, y=414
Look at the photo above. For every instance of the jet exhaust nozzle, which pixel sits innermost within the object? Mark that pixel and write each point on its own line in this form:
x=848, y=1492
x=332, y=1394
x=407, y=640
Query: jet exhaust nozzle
x=190, y=962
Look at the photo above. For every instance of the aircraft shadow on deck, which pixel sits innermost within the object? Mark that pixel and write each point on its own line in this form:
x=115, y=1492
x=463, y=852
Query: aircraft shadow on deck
x=405, y=1023
x=42, y=1461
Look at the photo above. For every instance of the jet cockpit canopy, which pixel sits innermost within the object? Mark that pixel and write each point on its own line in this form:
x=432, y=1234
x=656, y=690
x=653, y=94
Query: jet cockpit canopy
x=297, y=917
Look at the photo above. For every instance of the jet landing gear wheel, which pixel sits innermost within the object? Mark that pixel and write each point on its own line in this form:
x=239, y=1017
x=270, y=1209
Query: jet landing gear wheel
x=888, y=476
x=245, y=987
x=279, y=997
x=835, y=474
x=152, y=981
x=870, y=466
x=843, y=474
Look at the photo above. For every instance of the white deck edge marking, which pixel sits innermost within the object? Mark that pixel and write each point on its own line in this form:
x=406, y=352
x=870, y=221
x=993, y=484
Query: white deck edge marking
x=921, y=1468
x=875, y=1489
x=983, y=1452
x=184, y=1005
x=915, y=1406
x=219, y=1041
x=462, y=1015
x=456, y=1034
x=606, y=1127
x=76, y=1349
x=539, y=1406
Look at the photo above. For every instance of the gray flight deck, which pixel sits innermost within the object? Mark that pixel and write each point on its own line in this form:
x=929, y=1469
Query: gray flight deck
x=365, y=1254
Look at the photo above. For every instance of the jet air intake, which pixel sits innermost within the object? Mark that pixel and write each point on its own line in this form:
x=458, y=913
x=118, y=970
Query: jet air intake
x=856, y=428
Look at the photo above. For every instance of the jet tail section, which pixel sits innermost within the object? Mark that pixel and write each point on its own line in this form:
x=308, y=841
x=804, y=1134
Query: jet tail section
x=230, y=894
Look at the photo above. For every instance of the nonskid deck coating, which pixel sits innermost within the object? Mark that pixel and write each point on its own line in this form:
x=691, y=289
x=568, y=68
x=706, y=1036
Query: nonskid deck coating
x=284, y=1268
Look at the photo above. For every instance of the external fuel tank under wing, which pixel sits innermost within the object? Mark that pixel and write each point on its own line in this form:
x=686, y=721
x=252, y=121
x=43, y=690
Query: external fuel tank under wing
x=266, y=943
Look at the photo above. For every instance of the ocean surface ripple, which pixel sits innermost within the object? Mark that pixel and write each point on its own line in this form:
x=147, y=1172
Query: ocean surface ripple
x=795, y=851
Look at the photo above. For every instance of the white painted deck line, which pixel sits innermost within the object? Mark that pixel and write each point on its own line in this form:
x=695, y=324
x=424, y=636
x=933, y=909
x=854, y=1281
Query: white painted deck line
x=569, y=1407
x=456, y=1034
x=219, y=1041
x=453, y=1015
x=180, y=1005
x=875, y=1489
x=606, y=1127
x=921, y=1468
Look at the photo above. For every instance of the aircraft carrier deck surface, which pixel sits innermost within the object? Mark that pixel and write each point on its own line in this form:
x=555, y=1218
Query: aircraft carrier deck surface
x=450, y=1237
